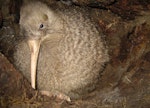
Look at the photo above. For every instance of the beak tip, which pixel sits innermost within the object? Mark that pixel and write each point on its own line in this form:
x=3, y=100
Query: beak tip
x=33, y=86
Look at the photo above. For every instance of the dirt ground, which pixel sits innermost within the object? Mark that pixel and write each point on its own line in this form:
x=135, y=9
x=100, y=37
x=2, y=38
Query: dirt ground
x=125, y=81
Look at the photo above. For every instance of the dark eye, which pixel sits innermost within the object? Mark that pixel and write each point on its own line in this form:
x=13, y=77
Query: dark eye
x=41, y=26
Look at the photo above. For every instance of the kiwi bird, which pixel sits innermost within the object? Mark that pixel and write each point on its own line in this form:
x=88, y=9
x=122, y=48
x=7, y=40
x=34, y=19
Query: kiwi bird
x=63, y=50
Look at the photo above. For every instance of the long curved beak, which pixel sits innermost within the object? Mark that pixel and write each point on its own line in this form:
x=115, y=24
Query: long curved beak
x=34, y=50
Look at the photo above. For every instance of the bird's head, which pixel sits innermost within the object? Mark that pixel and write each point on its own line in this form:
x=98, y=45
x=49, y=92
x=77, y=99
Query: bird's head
x=36, y=22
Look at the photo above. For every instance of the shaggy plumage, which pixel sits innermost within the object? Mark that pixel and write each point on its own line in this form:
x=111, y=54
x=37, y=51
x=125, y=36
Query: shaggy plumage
x=71, y=50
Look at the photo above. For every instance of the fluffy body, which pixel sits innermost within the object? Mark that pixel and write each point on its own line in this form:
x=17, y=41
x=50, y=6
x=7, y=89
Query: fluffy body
x=72, y=53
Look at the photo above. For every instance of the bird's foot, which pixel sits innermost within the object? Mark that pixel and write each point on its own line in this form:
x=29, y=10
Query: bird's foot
x=56, y=94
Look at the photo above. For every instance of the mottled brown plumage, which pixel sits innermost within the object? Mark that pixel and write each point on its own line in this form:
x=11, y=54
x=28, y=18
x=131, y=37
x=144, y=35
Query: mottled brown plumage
x=71, y=54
